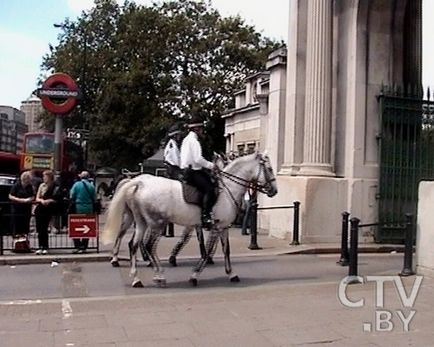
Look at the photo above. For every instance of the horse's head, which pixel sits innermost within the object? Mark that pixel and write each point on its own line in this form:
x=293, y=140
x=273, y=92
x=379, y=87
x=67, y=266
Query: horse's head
x=266, y=180
x=253, y=170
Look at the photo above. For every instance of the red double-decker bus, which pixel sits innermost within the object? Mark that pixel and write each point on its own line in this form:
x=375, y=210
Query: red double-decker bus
x=38, y=153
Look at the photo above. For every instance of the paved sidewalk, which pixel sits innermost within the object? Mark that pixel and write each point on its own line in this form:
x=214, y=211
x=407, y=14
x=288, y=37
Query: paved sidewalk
x=239, y=248
x=268, y=315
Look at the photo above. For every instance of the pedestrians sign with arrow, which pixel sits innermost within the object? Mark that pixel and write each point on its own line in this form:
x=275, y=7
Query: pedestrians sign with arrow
x=82, y=226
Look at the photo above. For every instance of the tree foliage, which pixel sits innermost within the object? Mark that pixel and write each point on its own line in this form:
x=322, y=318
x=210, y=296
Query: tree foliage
x=142, y=68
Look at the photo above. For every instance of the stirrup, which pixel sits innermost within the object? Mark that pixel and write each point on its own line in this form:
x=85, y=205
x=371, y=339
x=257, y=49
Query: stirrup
x=207, y=222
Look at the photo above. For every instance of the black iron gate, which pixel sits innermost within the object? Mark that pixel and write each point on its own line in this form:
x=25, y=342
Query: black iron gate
x=406, y=156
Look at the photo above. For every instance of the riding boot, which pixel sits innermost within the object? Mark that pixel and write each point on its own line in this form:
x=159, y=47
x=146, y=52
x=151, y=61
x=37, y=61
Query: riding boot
x=207, y=219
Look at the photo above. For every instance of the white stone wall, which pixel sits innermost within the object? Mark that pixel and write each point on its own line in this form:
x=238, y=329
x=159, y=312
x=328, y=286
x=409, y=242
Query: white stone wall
x=425, y=230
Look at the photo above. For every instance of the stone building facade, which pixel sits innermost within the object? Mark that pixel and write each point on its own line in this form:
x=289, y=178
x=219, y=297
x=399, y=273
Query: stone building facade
x=319, y=118
x=12, y=129
x=32, y=108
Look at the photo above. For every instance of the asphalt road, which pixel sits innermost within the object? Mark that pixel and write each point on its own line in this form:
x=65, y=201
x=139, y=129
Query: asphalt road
x=71, y=280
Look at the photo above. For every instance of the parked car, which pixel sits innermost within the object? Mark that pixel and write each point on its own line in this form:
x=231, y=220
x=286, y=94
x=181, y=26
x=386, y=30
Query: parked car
x=6, y=183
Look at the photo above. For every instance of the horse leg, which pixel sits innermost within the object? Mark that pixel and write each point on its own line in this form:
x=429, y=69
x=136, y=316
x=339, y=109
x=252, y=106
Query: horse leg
x=115, y=252
x=145, y=249
x=126, y=223
x=159, y=278
x=211, y=245
x=185, y=237
x=201, y=240
x=134, y=246
x=224, y=238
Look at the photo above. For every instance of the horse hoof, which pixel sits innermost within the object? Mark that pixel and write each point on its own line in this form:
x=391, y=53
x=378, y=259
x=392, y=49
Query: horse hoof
x=138, y=284
x=160, y=282
x=193, y=282
x=115, y=263
x=209, y=261
x=172, y=261
x=149, y=264
x=235, y=279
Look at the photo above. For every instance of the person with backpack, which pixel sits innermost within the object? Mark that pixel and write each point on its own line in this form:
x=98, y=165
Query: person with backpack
x=83, y=196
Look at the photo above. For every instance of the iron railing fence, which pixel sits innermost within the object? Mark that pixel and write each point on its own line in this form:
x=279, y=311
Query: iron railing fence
x=58, y=232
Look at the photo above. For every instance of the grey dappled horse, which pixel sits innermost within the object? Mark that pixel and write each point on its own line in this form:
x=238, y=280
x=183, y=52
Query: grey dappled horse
x=127, y=222
x=155, y=201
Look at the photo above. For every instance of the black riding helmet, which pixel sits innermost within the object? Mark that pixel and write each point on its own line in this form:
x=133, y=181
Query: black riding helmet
x=174, y=130
x=197, y=120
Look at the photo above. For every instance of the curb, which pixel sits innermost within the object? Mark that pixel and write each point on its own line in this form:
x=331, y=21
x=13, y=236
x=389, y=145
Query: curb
x=47, y=259
x=336, y=250
x=106, y=256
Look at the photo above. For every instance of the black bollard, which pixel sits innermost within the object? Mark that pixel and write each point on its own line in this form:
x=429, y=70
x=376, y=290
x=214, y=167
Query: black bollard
x=352, y=269
x=344, y=260
x=408, y=251
x=170, y=230
x=254, y=224
x=296, y=223
x=1, y=232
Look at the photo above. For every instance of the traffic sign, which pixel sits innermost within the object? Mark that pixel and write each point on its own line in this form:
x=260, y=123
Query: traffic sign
x=82, y=226
x=59, y=93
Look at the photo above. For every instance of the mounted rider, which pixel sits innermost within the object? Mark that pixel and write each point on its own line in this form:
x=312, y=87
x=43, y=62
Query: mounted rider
x=172, y=156
x=196, y=167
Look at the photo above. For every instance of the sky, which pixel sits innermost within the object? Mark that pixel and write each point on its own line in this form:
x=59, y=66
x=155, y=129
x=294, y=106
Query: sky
x=26, y=30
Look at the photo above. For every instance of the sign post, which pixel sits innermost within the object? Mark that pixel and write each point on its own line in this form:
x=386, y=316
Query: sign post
x=59, y=94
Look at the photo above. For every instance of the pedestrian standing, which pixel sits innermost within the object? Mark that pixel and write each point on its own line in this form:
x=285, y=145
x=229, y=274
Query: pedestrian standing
x=247, y=212
x=36, y=180
x=83, y=196
x=22, y=197
x=45, y=208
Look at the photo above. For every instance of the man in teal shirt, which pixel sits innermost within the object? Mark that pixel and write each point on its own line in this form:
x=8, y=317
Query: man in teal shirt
x=83, y=195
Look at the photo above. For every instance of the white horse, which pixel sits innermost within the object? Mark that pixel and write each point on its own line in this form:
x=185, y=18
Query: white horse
x=128, y=220
x=155, y=201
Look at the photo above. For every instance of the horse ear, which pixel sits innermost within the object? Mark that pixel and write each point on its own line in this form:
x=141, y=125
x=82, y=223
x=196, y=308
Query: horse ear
x=218, y=160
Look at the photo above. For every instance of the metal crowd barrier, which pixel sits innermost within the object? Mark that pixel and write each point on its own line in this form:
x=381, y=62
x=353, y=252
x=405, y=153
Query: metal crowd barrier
x=254, y=222
x=58, y=237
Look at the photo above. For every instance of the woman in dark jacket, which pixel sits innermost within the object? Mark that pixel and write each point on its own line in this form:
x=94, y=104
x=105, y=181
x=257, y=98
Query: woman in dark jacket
x=22, y=196
x=45, y=198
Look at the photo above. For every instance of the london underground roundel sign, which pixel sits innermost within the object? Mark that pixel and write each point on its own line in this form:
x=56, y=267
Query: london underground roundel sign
x=59, y=93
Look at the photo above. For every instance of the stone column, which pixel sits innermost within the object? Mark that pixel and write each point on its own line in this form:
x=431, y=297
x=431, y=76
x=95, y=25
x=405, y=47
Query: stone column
x=318, y=102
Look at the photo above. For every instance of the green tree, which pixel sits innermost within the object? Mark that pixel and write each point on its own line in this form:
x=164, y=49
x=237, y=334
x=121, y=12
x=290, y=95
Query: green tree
x=142, y=68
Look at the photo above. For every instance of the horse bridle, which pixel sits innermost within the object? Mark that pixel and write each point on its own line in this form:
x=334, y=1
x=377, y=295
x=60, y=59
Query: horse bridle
x=254, y=185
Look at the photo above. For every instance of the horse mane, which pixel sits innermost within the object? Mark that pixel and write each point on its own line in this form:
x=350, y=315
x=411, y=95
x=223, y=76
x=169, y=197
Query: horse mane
x=238, y=163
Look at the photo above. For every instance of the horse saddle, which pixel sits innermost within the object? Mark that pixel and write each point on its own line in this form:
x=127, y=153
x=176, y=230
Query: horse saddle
x=191, y=194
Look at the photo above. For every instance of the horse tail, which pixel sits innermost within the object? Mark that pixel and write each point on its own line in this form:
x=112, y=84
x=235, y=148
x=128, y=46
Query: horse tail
x=116, y=210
